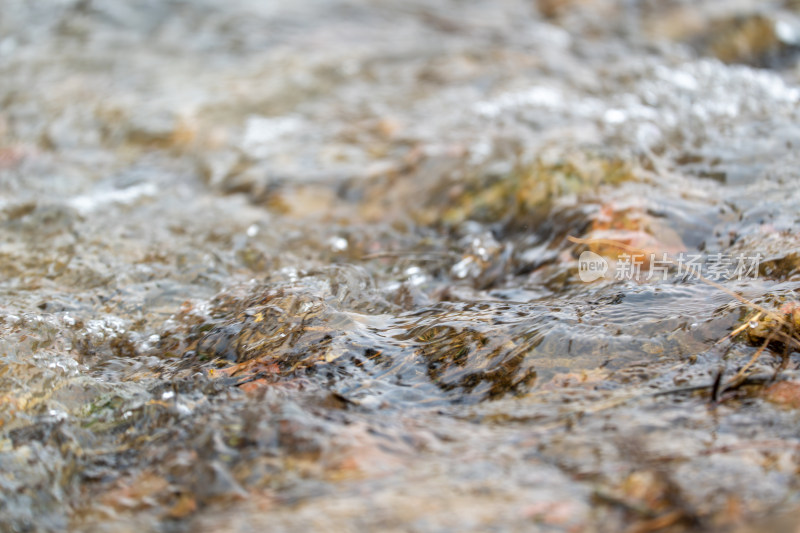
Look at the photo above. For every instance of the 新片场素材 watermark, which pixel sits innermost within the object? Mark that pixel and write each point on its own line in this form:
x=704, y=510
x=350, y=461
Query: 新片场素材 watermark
x=653, y=266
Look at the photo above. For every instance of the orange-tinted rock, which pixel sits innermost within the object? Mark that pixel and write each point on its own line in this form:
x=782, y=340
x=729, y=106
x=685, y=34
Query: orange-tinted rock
x=784, y=393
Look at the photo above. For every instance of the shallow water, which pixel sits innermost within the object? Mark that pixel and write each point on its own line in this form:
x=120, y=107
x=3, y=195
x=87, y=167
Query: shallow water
x=308, y=266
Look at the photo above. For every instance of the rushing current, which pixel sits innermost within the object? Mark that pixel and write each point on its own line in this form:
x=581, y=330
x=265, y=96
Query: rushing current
x=394, y=265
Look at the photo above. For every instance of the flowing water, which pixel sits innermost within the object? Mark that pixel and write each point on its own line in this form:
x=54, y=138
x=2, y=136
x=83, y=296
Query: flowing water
x=292, y=266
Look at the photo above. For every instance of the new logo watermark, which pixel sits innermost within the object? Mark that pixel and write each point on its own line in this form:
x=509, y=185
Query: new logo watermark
x=591, y=266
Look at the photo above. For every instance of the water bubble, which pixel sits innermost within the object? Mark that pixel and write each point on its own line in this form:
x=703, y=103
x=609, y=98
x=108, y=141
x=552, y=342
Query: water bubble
x=57, y=414
x=615, y=116
x=415, y=275
x=183, y=409
x=463, y=268
x=338, y=244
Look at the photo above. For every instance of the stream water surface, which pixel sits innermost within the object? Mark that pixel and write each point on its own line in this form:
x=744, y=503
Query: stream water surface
x=292, y=266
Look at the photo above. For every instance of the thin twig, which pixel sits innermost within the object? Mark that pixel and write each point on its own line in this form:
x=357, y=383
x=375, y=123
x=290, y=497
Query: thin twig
x=740, y=375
